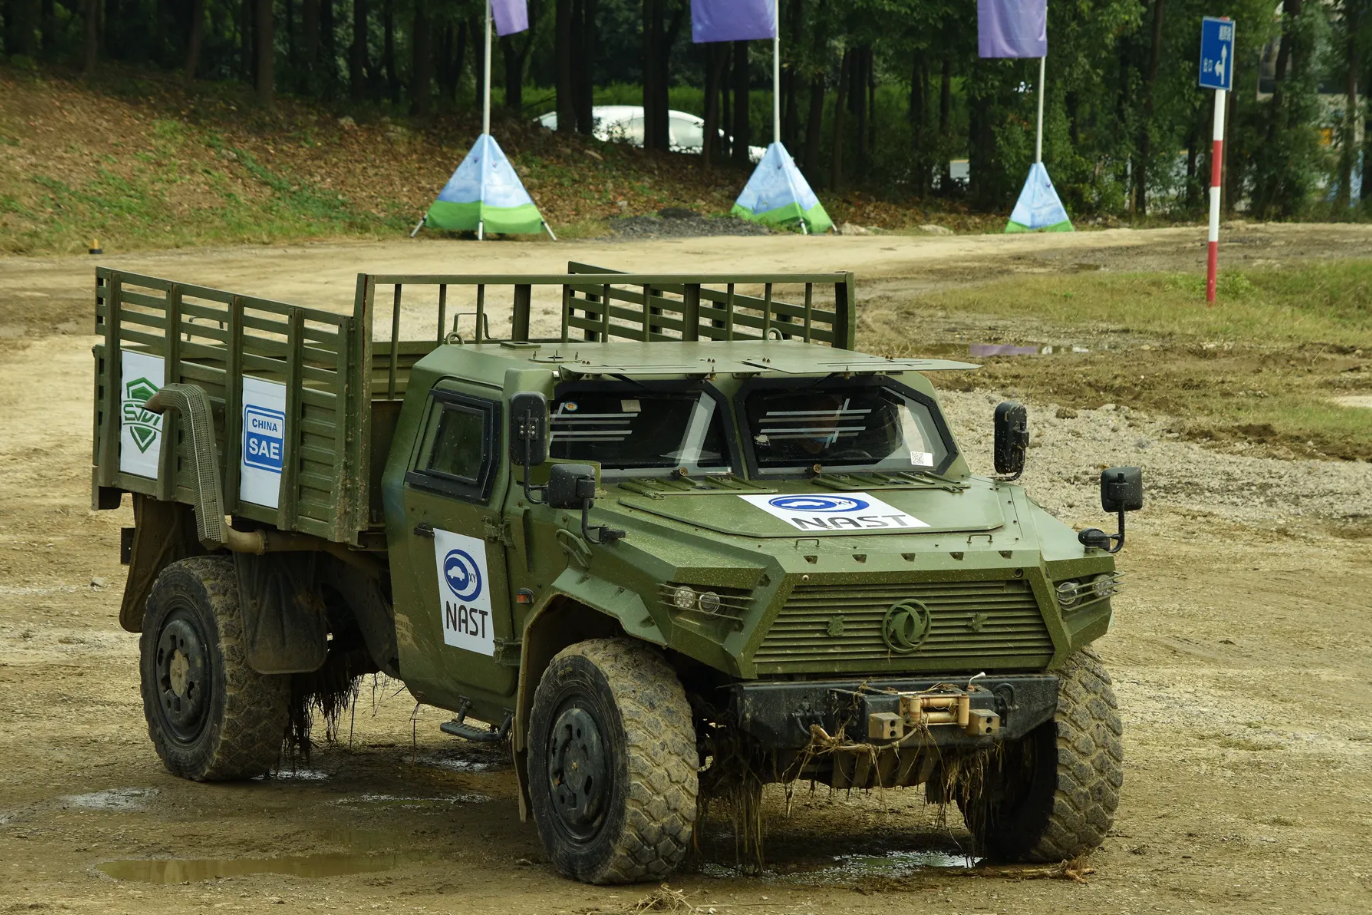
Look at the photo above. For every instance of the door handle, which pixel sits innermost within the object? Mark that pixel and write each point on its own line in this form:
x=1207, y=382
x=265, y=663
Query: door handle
x=424, y=529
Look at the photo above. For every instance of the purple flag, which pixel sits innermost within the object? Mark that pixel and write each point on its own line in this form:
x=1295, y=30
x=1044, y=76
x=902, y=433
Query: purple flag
x=732, y=20
x=510, y=16
x=1012, y=28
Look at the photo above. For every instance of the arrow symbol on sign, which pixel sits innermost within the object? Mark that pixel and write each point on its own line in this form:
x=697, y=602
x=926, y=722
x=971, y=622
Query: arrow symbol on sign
x=1219, y=70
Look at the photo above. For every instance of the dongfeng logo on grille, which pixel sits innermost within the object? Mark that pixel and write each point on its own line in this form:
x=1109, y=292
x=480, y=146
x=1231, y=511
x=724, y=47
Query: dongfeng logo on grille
x=818, y=503
x=906, y=626
x=142, y=425
x=463, y=576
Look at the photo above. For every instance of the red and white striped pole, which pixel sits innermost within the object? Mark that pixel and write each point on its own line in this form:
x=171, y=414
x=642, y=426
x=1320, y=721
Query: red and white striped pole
x=1216, y=163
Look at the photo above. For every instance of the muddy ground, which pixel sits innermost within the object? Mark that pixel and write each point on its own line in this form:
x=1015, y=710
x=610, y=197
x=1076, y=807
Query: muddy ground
x=1242, y=654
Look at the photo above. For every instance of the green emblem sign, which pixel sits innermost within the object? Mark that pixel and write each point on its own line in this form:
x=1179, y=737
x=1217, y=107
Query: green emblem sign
x=141, y=425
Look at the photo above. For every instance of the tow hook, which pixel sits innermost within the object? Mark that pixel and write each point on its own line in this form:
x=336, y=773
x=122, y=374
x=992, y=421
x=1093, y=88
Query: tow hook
x=920, y=711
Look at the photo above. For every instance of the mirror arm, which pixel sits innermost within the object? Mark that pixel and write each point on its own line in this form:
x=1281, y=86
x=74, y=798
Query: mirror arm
x=1118, y=538
x=528, y=464
x=605, y=534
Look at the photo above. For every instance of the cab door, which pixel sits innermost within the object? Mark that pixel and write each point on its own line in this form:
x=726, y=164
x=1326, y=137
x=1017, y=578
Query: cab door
x=452, y=493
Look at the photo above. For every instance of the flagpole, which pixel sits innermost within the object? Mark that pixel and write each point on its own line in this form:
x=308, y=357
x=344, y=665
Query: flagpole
x=486, y=78
x=776, y=71
x=1038, y=138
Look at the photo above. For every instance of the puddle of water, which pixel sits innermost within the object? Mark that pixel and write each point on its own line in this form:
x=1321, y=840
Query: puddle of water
x=303, y=775
x=193, y=870
x=390, y=800
x=849, y=867
x=111, y=799
x=457, y=764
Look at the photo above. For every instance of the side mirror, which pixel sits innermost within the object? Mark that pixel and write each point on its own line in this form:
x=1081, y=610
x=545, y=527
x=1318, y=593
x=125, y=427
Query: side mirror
x=528, y=428
x=1121, y=489
x=1012, y=438
x=573, y=486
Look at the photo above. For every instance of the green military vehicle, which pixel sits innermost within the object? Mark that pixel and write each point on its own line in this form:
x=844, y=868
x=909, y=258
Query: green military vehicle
x=695, y=530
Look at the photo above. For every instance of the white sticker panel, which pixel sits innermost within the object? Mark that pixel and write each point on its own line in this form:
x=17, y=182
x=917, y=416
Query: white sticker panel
x=464, y=594
x=850, y=511
x=140, y=432
x=264, y=442
x=921, y=459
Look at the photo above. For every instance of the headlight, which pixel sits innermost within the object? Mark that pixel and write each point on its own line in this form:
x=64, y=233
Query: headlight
x=1103, y=586
x=709, y=602
x=1069, y=594
x=685, y=598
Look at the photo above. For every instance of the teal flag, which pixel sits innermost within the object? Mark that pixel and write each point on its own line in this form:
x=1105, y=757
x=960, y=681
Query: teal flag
x=1038, y=208
x=779, y=195
x=485, y=190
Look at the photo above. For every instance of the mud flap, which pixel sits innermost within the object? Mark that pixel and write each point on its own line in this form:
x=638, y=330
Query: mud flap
x=285, y=623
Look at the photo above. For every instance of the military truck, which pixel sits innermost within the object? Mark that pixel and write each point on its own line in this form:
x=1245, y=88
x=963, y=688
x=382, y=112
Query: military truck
x=695, y=527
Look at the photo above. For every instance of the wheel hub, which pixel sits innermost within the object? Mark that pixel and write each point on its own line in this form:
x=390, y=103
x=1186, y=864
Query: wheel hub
x=182, y=677
x=578, y=771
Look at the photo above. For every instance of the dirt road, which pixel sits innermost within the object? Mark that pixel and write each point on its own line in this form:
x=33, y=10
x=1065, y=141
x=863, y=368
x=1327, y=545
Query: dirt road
x=1242, y=656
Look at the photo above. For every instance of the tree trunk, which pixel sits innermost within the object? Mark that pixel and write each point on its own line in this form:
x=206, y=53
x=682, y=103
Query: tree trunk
x=790, y=80
x=290, y=31
x=309, y=44
x=945, y=124
x=814, y=126
x=583, y=55
x=862, y=78
x=49, y=28
x=742, y=129
x=421, y=70
x=92, y=46
x=357, y=56
x=194, y=40
x=840, y=110
x=1348, y=143
x=388, y=50
x=247, y=69
x=726, y=103
x=326, y=60
x=652, y=30
x=21, y=27
x=566, y=91
x=265, y=30
x=1150, y=80
x=714, y=69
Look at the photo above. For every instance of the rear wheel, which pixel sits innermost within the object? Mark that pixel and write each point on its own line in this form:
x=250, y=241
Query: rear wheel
x=612, y=763
x=1051, y=795
x=211, y=717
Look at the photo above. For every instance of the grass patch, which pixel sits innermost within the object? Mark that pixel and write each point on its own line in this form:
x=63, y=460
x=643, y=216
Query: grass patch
x=1317, y=303
x=1259, y=370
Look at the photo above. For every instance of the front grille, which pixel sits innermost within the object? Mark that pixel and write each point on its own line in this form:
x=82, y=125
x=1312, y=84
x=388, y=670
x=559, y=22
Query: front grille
x=733, y=602
x=974, y=624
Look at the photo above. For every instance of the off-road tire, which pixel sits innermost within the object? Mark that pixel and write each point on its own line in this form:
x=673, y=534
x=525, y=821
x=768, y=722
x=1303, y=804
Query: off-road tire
x=648, y=811
x=1052, y=795
x=239, y=731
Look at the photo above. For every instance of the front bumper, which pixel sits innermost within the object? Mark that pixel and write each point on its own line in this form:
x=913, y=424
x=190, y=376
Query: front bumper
x=778, y=715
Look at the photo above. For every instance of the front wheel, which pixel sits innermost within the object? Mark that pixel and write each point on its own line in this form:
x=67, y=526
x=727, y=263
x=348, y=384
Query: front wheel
x=1051, y=795
x=612, y=763
x=210, y=715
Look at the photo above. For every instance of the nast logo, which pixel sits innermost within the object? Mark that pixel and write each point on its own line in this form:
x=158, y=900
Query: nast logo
x=142, y=425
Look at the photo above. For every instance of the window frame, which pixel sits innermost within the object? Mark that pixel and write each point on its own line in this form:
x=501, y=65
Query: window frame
x=421, y=476
x=832, y=383
x=671, y=386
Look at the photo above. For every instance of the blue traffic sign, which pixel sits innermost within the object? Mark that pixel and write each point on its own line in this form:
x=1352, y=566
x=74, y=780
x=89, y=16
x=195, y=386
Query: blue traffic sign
x=1217, y=54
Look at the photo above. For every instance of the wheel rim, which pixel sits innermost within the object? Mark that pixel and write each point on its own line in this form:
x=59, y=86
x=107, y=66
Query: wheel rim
x=578, y=772
x=183, y=676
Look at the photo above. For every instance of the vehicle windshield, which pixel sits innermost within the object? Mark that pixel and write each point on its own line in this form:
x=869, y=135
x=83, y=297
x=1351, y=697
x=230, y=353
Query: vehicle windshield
x=629, y=431
x=876, y=428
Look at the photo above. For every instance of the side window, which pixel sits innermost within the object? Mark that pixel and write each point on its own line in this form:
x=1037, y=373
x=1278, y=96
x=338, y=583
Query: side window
x=457, y=452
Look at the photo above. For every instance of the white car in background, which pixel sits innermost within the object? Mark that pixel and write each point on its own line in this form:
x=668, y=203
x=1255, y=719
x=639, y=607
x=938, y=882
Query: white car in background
x=624, y=124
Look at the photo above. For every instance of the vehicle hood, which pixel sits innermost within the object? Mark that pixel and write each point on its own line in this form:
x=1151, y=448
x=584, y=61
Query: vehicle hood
x=794, y=509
